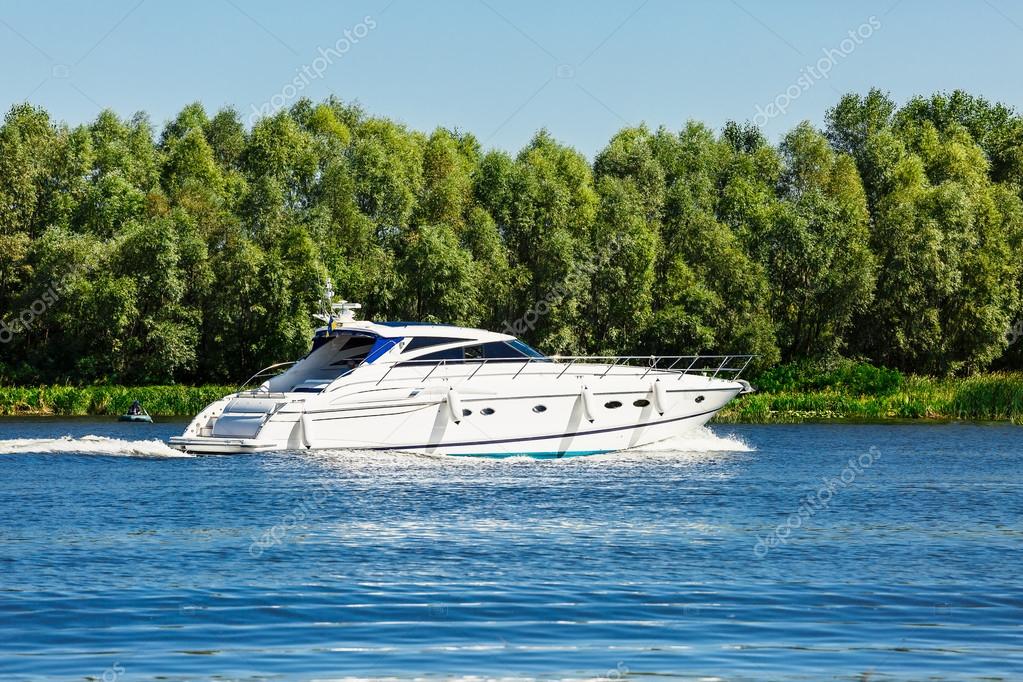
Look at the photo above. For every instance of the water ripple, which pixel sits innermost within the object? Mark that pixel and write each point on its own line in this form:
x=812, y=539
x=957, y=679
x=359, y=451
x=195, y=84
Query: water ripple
x=119, y=562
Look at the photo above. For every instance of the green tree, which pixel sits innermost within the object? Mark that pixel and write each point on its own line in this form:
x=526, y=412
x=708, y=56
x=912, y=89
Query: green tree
x=27, y=147
x=815, y=247
x=437, y=279
x=621, y=274
x=710, y=294
x=161, y=339
x=553, y=205
x=447, y=181
x=387, y=168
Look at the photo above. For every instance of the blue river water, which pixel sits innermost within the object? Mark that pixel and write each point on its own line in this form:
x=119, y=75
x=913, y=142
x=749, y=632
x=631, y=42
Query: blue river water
x=809, y=552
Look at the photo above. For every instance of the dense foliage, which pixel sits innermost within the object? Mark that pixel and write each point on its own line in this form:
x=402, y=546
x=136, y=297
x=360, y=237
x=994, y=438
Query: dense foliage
x=197, y=254
x=814, y=376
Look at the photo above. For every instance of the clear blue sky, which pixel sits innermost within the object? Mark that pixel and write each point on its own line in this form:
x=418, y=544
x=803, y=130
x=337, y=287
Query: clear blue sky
x=504, y=69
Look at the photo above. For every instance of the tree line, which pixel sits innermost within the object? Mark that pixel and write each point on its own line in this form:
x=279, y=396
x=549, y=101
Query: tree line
x=197, y=254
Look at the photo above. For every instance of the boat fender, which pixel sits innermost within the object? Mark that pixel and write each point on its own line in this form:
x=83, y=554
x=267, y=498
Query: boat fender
x=589, y=409
x=454, y=406
x=660, y=397
x=307, y=431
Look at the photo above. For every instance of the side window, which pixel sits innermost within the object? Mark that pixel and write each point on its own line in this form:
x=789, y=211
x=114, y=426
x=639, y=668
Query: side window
x=495, y=350
x=500, y=350
x=528, y=351
x=449, y=354
x=420, y=342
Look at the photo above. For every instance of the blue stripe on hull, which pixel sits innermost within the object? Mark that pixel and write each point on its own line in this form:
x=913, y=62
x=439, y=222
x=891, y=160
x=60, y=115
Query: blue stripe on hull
x=533, y=455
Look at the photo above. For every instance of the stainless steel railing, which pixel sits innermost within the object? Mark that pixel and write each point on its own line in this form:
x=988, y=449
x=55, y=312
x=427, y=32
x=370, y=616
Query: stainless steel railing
x=680, y=365
x=271, y=371
x=598, y=366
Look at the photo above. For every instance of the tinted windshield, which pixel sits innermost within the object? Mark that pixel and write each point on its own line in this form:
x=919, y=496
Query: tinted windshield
x=496, y=350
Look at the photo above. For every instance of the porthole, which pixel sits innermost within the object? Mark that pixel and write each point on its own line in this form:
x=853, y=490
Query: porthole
x=613, y=405
x=466, y=413
x=487, y=410
x=699, y=398
x=642, y=402
x=539, y=408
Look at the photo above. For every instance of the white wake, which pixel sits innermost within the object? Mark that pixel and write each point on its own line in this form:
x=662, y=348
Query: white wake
x=700, y=439
x=89, y=445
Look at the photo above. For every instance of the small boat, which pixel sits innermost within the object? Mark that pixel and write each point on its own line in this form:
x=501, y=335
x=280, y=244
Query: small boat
x=430, y=388
x=141, y=417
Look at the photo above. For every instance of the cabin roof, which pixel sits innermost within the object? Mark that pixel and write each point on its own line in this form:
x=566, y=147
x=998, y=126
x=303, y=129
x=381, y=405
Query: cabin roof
x=417, y=329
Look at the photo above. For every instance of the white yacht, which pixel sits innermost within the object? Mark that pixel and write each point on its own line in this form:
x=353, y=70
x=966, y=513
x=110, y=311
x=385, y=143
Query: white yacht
x=439, y=389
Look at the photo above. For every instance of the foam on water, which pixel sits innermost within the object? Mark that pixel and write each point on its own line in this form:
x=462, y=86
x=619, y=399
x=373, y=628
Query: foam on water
x=700, y=439
x=696, y=442
x=89, y=445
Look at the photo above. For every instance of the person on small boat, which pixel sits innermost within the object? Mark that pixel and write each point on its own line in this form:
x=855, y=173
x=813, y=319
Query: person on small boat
x=135, y=409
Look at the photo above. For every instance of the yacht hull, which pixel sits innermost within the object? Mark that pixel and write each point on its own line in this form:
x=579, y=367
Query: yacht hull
x=490, y=420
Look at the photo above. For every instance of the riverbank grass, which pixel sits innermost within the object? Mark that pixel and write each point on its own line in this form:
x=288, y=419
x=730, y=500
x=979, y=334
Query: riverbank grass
x=989, y=397
x=164, y=401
